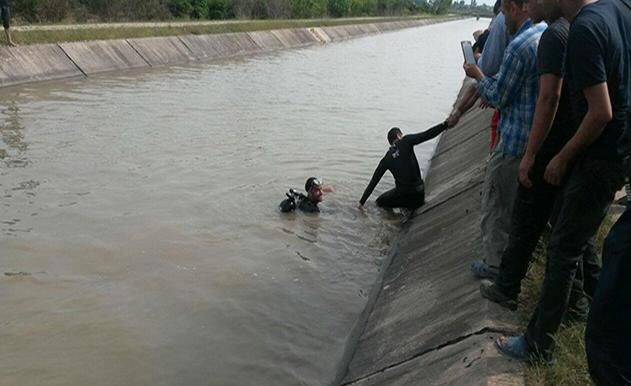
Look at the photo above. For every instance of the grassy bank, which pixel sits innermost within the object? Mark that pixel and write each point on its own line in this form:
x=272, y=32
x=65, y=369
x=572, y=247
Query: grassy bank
x=38, y=36
x=570, y=368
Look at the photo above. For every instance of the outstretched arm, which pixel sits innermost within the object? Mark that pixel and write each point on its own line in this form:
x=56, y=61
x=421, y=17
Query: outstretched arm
x=376, y=177
x=463, y=104
x=426, y=135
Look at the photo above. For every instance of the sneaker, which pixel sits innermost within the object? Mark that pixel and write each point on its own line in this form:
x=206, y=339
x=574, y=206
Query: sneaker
x=483, y=271
x=490, y=291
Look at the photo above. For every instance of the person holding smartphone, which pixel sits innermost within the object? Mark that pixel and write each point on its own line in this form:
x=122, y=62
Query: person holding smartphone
x=514, y=92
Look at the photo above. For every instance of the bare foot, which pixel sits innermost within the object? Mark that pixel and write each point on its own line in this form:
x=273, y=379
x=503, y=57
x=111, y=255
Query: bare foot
x=11, y=44
x=501, y=341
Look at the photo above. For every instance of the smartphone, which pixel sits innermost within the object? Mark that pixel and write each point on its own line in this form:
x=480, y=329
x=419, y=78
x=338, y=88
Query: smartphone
x=467, y=51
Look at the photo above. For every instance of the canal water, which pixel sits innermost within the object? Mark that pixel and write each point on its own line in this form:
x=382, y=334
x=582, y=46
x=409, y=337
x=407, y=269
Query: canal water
x=140, y=237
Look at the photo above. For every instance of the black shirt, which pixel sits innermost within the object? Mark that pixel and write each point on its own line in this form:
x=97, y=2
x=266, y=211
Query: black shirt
x=401, y=161
x=306, y=205
x=551, y=55
x=598, y=51
x=4, y=3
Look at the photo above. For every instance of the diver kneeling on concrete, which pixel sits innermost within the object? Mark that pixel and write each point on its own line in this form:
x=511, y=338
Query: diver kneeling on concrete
x=306, y=203
x=401, y=161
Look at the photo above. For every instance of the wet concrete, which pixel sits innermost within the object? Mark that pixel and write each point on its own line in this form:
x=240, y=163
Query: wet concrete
x=429, y=325
x=103, y=56
x=162, y=51
x=34, y=63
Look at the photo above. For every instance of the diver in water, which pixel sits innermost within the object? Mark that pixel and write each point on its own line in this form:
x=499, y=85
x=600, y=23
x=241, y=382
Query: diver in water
x=306, y=203
x=401, y=161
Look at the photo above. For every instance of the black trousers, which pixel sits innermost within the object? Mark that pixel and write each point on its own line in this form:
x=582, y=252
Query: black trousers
x=608, y=332
x=395, y=198
x=532, y=210
x=5, y=15
x=585, y=198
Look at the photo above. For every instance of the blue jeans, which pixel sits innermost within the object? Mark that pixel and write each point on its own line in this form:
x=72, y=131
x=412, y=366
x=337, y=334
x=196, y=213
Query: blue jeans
x=608, y=332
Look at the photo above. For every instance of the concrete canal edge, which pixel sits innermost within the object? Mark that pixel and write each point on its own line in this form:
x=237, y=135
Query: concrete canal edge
x=34, y=63
x=427, y=323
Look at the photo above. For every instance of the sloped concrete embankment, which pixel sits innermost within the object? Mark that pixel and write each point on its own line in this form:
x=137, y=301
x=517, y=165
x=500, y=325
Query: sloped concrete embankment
x=65, y=60
x=428, y=324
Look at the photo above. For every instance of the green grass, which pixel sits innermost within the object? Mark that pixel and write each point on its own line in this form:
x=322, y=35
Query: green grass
x=570, y=368
x=72, y=35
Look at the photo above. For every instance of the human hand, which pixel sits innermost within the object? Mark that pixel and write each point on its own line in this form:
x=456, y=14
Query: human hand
x=473, y=71
x=555, y=171
x=524, y=170
x=453, y=118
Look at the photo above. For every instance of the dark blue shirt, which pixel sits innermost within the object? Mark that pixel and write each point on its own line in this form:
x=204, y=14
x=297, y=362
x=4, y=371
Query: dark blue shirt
x=598, y=51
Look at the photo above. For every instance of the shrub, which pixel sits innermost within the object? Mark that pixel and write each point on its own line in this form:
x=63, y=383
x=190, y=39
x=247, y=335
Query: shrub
x=219, y=9
x=180, y=8
x=52, y=10
x=338, y=8
x=25, y=9
x=363, y=7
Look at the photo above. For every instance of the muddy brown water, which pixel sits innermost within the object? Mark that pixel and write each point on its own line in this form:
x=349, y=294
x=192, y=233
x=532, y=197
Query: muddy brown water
x=140, y=241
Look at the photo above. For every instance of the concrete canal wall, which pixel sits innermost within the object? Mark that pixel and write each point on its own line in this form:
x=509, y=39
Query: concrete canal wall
x=65, y=60
x=428, y=325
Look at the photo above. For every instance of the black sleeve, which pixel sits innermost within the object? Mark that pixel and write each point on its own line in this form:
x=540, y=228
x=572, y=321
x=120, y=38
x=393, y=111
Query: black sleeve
x=586, y=55
x=551, y=53
x=376, y=177
x=415, y=139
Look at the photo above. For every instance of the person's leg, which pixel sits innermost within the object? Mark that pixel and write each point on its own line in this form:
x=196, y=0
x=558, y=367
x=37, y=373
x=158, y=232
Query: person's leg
x=607, y=334
x=5, y=14
x=395, y=199
x=584, y=284
x=413, y=201
x=389, y=199
x=486, y=206
x=531, y=212
x=585, y=199
x=498, y=199
x=592, y=264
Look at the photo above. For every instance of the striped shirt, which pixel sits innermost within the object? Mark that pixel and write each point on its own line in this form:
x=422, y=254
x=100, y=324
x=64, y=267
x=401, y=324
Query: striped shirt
x=514, y=89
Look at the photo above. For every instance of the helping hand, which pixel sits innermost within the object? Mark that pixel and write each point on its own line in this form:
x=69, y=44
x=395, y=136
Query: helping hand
x=453, y=118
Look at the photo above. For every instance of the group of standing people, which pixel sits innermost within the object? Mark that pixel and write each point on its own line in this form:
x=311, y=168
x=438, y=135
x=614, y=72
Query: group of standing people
x=557, y=72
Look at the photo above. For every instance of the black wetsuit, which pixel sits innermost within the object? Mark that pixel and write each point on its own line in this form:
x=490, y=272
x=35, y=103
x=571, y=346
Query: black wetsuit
x=401, y=161
x=298, y=201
